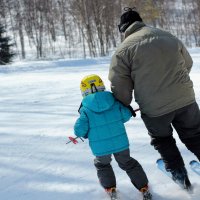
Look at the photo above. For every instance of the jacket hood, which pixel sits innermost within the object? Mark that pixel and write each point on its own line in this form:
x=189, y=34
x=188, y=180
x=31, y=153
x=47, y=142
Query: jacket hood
x=134, y=27
x=99, y=101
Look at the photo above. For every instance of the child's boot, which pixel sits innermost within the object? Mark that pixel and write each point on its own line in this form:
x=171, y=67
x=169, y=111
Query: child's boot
x=146, y=194
x=112, y=193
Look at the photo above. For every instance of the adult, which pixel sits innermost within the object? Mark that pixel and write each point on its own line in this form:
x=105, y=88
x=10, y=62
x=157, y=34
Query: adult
x=156, y=65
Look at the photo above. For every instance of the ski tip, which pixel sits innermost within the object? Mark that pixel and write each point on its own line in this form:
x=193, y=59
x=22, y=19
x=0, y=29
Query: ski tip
x=192, y=162
x=159, y=160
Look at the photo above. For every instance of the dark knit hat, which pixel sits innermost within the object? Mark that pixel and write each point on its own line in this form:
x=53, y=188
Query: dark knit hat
x=127, y=18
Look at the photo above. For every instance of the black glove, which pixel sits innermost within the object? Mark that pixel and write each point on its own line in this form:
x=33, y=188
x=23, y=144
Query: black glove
x=132, y=111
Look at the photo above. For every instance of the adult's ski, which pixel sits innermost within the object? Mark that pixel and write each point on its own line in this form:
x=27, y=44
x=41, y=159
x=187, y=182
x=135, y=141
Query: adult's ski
x=183, y=183
x=195, y=166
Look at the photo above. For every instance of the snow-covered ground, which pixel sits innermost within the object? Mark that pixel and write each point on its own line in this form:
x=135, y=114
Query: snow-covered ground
x=38, y=107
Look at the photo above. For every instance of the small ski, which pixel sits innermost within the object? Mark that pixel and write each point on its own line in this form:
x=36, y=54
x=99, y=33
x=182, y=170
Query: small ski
x=113, y=194
x=147, y=196
x=113, y=197
x=195, y=166
x=184, y=185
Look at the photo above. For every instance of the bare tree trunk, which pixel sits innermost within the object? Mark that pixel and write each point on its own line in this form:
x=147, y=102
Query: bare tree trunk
x=97, y=7
x=62, y=9
x=88, y=23
x=21, y=36
x=9, y=7
x=19, y=21
x=196, y=30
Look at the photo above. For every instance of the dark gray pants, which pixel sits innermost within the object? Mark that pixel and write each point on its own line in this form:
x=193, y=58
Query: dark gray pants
x=186, y=122
x=133, y=169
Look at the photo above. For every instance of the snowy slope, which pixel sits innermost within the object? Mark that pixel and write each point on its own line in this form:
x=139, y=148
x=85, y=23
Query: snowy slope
x=38, y=107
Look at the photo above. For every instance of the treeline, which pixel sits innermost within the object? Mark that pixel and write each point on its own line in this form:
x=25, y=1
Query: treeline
x=82, y=28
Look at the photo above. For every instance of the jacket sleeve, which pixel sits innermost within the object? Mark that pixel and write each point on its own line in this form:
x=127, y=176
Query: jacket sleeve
x=125, y=112
x=187, y=57
x=81, y=126
x=120, y=78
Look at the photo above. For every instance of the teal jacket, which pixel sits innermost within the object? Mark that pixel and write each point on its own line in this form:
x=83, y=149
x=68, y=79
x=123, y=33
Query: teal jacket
x=102, y=120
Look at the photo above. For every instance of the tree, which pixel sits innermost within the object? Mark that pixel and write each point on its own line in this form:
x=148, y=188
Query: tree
x=71, y=28
x=6, y=54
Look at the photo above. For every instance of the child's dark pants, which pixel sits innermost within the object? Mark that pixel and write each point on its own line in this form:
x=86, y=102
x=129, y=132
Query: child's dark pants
x=131, y=166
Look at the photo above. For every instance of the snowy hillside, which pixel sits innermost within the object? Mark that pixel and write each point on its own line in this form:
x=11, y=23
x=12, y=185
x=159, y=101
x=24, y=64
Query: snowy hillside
x=38, y=107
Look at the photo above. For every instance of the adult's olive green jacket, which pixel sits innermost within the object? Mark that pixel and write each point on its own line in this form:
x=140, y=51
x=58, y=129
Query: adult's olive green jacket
x=155, y=65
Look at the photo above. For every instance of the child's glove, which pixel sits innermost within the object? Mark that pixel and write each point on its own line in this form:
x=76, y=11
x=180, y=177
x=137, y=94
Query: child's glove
x=132, y=111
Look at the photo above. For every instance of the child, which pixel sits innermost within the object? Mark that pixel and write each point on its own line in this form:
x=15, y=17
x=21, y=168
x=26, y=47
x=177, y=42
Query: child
x=102, y=120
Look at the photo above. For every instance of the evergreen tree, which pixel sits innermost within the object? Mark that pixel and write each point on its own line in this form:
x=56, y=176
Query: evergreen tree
x=5, y=48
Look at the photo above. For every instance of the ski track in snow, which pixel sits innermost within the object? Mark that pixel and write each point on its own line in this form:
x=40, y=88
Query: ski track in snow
x=38, y=108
